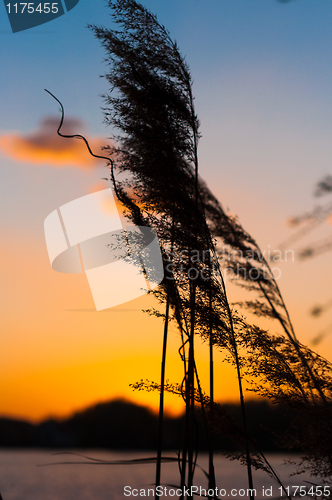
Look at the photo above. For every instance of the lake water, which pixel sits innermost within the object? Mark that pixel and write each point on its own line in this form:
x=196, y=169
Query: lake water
x=24, y=475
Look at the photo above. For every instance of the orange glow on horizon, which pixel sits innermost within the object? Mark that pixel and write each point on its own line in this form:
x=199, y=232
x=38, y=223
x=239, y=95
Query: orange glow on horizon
x=59, y=355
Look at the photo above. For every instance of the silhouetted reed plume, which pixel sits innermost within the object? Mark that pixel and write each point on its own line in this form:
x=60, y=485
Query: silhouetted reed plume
x=151, y=105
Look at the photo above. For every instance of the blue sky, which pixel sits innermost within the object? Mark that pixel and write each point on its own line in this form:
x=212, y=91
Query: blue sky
x=262, y=82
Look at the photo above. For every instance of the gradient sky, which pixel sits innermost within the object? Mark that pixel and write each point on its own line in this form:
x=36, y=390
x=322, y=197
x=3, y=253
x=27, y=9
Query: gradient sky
x=263, y=82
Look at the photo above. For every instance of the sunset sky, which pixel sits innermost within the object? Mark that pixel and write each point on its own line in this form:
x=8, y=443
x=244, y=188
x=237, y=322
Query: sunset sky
x=262, y=72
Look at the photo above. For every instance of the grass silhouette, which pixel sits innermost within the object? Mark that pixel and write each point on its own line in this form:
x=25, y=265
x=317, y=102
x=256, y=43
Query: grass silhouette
x=152, y=107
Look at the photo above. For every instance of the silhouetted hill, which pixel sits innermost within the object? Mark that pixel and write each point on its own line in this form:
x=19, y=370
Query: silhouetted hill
x=120, y=425
x=16, y=433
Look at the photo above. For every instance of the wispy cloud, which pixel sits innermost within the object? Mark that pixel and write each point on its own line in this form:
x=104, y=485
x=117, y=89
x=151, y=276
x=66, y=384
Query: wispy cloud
x=44, y=146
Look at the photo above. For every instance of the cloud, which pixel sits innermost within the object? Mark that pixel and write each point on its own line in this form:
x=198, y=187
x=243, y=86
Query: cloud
x=44, y=146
